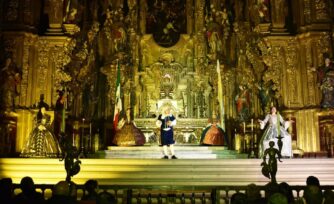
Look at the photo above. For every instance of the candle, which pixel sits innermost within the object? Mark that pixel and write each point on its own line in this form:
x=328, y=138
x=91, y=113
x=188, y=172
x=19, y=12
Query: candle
x=139, y=100
x=252, y=124
x=244, y=127
x=90, y=128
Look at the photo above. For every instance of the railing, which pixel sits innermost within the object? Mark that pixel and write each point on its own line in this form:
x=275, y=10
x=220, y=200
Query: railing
x=170, y=194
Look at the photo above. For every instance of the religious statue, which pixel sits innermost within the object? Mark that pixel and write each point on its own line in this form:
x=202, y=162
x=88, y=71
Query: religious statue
x=326, y=80
x=264, y=12
x=70, y=11
x=127, y=133
x=55, y=8
x=242, y=100
x=41, y=141
x=69, y=154
x=279, y=11
x=269, y=168
x=265, y=95
x=10, y=77
x=215, y=42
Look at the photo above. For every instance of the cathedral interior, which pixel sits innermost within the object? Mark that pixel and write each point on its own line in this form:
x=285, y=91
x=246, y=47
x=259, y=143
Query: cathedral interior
x=226, y=60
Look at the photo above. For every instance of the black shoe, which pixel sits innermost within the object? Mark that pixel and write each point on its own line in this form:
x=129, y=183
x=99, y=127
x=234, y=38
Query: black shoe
x=174, y=157
x=165, y=157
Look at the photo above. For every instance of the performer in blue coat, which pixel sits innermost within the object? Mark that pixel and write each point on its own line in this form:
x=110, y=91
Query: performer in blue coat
x=166, y=121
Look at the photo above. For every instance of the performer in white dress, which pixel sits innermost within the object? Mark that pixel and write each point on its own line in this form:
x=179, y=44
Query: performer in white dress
x=276, y=126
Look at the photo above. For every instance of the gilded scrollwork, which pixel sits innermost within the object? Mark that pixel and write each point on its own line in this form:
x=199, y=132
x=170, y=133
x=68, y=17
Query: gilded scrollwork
x=29, y=40
x=12, y=10
x=321, y=10
x=271, y=65
x=292, y=71
x=311, y=77
x=307, y=11
x=43, y=58
x=278, y=13
x=273, y=72
x=55, y=11
x=27, y=11
x=61, y=57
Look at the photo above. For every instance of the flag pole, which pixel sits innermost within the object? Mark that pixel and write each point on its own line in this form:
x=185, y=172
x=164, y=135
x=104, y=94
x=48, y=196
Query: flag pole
x=220, y=97
x=118, y=100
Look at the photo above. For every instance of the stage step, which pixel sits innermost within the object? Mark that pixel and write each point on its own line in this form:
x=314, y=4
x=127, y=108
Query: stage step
x=182, y=152
x=161, y=172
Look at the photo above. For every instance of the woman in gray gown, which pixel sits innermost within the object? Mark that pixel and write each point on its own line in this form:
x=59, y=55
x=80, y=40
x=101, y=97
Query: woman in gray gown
x=276, y=126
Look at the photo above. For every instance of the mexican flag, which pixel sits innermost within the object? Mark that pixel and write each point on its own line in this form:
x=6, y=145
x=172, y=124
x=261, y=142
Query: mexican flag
x=118, y=101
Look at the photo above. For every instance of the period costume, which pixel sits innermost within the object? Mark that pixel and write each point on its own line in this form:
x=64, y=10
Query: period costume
x=129, y=135
x=214, y=135
x=271, y=133
x=41, y=142
x=166, y=131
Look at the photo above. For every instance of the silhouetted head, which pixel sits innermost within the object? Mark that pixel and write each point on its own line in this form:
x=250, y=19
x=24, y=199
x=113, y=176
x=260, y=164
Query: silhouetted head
x=313, y=181
x=271, y=143
x=61, y=188
x=27, y=185
x=286, y=190
x=239, y=198
x=91, y=185
x=6, y=187
x=252, y=192
x=277, y=198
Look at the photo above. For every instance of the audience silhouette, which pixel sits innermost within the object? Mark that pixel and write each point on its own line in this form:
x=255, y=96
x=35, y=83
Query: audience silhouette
x=6, y=191
x=61, y=194
x=29, y=195
x=66, y=193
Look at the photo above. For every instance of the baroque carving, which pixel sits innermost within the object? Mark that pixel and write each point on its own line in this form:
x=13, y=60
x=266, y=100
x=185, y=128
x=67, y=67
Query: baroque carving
x=292, y=72
x=273, y=72
x=12, y=10
x=27, y=12
x=29, y=40
x=321, y=10
x=311, y=79
x=55, y=11
x=307, y=11
x=43, y=58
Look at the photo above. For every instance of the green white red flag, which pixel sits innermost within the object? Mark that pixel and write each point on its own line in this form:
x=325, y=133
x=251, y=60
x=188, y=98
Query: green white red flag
x=118, y=101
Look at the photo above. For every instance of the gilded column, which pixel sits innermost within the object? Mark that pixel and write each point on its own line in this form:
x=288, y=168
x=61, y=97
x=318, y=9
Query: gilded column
x=42, y=70
x=199, y=15
x=190, y=17
x=60, y=58
x=321, y=12
x=292, y=84
x=142, y=16
x=308, y=130
x=310, y=85
x=25, y=93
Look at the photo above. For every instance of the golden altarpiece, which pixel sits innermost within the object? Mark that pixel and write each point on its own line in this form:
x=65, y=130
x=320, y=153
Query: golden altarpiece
x=269, y=53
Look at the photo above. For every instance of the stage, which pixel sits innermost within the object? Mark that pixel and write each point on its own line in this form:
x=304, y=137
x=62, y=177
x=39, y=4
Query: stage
x=195, y=166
